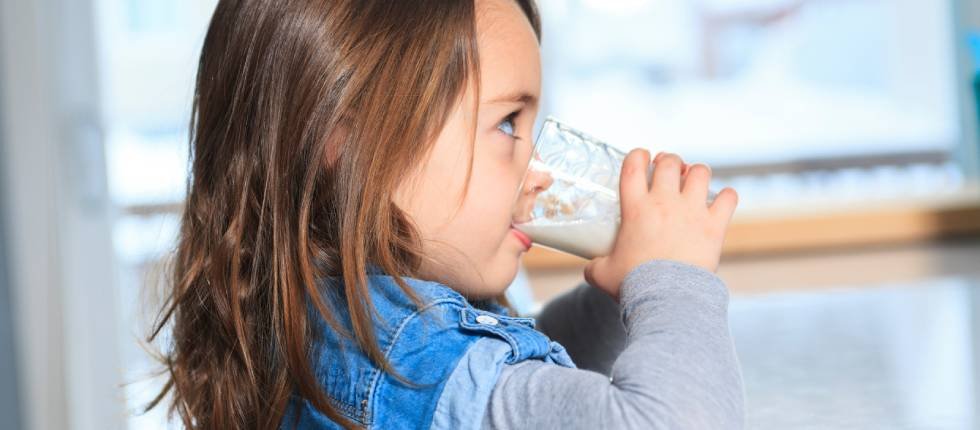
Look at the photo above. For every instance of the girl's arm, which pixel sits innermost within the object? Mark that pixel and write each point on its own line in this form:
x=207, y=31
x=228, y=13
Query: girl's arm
x=678, y=369
x=587, y=322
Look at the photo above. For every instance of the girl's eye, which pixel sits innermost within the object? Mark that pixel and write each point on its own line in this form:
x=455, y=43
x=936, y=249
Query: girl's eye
x=507, y=125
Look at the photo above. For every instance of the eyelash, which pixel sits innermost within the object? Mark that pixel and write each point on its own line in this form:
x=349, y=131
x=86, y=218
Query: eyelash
x=509, y=119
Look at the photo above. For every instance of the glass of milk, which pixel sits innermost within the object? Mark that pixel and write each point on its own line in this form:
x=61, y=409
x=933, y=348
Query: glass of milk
x=569, y=198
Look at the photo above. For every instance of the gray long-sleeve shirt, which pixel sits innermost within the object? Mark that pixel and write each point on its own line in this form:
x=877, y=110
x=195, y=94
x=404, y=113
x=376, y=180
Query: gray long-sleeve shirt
x=663, y=358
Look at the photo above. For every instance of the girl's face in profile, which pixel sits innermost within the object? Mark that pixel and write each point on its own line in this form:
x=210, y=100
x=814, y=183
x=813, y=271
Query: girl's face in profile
x=473, y=249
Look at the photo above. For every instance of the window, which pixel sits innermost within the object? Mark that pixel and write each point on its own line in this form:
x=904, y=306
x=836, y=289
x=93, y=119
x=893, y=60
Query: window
x=149, y=57
x=784, y=98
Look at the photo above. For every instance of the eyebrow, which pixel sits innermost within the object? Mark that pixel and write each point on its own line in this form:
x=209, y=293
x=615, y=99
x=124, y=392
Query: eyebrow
x=516, y=97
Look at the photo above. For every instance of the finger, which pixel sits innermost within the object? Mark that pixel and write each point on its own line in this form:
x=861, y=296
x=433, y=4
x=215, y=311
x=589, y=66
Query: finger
x=684, y=169
x=595, y=275
x=667, y=174
x=633, y=179
x=696, y=183
x=724, y=205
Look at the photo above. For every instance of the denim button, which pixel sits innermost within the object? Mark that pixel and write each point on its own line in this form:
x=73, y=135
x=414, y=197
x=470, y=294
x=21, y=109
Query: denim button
x=486, y=319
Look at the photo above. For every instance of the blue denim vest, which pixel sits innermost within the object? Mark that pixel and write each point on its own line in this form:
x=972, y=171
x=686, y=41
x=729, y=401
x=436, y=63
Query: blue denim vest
x=452, y=350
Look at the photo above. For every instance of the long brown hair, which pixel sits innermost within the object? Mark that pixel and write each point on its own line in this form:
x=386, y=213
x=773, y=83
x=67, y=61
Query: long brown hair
x=306, y=115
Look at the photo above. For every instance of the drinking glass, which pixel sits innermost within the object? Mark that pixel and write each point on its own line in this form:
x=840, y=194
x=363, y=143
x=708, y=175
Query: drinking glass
x=569, y=197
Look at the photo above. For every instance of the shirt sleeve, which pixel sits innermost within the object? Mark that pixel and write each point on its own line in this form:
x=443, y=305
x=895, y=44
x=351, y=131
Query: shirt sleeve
x=677, y=370
x=586, y=321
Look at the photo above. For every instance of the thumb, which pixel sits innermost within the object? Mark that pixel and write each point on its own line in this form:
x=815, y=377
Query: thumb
x=595, y=273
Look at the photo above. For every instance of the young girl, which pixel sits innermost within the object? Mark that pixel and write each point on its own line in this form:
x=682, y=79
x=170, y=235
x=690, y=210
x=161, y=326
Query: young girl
x=347, y=239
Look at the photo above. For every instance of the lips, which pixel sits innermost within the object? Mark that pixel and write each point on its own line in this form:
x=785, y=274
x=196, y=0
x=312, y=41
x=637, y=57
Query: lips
x=525, y=239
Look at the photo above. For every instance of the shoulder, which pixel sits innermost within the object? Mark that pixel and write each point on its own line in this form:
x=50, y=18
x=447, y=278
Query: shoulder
x=442, y=350
x=501, y=340
x=460, y=350
x=447, y=318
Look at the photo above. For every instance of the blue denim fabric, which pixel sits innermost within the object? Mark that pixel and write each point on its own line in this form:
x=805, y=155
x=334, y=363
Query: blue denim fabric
x=453, y=350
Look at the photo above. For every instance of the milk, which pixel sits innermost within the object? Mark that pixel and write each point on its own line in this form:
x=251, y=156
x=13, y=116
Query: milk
x=585, y=238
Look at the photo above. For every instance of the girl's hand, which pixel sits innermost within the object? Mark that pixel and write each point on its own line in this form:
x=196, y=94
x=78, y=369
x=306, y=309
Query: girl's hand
x=669, y=219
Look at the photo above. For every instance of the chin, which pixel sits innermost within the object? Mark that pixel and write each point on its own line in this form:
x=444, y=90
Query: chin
x=508, y=272
x=495, y=283
x=496, y=275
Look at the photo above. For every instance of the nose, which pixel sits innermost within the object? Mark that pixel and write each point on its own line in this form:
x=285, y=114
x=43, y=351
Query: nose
x=536, y=182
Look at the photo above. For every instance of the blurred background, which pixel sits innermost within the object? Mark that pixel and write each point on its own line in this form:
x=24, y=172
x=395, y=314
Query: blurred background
x=849, y=128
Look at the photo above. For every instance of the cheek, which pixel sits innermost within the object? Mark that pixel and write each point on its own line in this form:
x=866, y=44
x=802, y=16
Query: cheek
x=494, y=187
x=505, y=166
x=482, y=223
x=484, y=217
x=437, y=195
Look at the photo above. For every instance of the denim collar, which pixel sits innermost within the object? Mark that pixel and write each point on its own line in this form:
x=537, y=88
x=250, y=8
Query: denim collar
x=384, y=283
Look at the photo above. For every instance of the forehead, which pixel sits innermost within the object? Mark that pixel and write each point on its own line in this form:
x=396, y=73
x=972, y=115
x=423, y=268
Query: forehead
x=510, y=59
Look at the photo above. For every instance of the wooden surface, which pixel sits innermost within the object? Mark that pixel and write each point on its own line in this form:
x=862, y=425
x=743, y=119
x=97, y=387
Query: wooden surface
x=865, y=266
